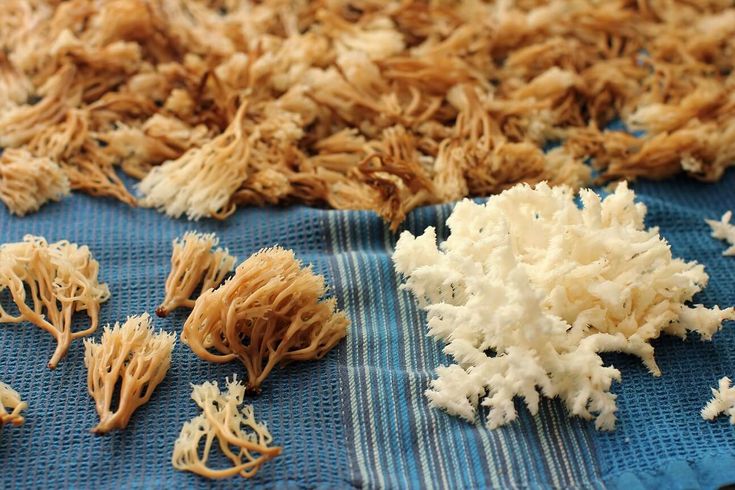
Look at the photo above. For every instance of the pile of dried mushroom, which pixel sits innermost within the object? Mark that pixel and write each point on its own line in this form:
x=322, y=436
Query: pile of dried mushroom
x=363, y=104
x=369, y=104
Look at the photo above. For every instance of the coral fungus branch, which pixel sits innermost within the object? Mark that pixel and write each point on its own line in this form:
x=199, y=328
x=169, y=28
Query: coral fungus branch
x=62, y=278
x=27, y=182
x=194, y=262
x=722, y=402
x=270, y=312
x=132, y=357
x=223, y=419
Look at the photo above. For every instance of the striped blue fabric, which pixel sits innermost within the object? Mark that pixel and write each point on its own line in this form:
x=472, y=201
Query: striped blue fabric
x=661, y=442
x=358, y=418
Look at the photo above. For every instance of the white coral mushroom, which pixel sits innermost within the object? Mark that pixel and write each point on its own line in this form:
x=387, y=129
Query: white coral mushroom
x=529, y=289
x=201, y=182
x=723, y=401
x=723, y=230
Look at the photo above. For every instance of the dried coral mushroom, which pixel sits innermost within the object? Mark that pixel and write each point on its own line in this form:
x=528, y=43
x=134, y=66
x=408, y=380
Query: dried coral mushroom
x=61, y=278
x=27, y=182
x=203, y=180
x=194, y=262
x=269, y=312
x=10, y=400
x=132, y=357
x=232, y=426
x=529, y=289
x=383, y=105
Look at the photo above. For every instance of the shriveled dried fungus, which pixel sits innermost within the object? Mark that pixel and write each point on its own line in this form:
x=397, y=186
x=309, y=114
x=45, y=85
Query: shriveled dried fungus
x=194, y=262
x=271, y=311
x=61, y=279
x=10, y=400
x=131, y=356
x=231, y=425
x=27, y=182
x=364, y=105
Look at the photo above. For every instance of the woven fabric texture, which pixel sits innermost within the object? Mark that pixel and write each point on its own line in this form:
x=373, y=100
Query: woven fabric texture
x=358, y=418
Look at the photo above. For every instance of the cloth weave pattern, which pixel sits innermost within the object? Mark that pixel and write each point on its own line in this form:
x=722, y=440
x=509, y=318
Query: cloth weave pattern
x=358, y=418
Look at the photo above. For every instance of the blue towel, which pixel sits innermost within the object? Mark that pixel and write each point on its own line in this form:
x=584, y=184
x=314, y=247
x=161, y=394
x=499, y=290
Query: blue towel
x=358, y=418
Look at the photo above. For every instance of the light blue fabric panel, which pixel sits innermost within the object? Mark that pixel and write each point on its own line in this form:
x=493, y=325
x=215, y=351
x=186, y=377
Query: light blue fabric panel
x=358, y=418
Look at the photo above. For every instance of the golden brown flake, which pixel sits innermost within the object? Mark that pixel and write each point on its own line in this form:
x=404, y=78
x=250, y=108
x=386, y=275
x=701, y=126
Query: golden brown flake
x=194, y=262
x=61, y=279
x=132, y=357
x=270, y=312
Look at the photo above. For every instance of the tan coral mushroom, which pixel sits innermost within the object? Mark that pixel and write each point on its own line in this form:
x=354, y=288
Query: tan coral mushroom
x=223, y=419
x=19, y=124
x=132, y=357
x=194, y=262
x=27, y=182
x=14, y=86
x=202, y=181
x=62, y=278
x=269, y=312
x=10, y=400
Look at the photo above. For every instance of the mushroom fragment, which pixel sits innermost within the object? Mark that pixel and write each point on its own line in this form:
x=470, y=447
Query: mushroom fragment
x=269, y=312
x=10, y=400
x=194, y=261
x=223, y=419
x=61, y=279
x=27, y=182
x=722, y=402
x=724, y=230
x=132, y=356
